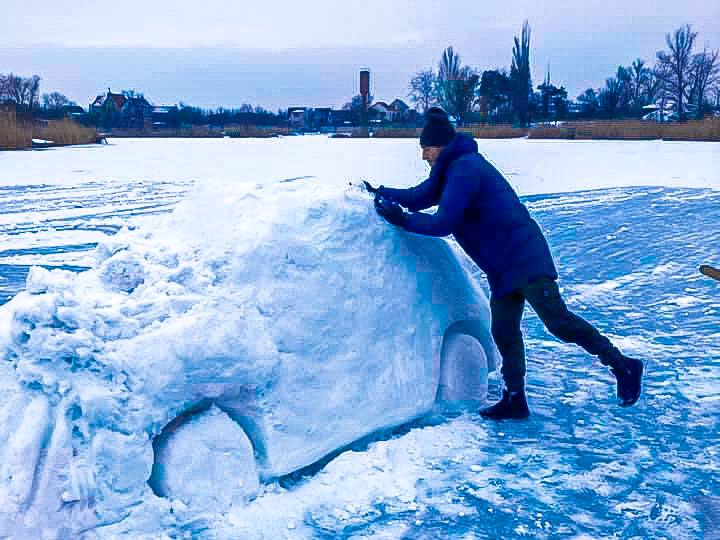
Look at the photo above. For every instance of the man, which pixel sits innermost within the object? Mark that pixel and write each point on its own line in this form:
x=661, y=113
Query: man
x=477, y=205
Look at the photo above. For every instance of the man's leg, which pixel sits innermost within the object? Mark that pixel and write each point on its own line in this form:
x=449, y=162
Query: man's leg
x=544, y=297
x=506, y=313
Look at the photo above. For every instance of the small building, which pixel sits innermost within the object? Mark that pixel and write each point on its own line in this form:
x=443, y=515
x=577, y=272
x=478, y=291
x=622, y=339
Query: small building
x=164, y=117
x=298, y=118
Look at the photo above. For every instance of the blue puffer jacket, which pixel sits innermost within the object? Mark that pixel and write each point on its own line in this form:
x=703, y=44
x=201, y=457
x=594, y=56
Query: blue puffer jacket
x=479, y=207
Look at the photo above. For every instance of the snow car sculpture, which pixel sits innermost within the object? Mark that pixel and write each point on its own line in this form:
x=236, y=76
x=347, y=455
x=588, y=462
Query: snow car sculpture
x=242, y=337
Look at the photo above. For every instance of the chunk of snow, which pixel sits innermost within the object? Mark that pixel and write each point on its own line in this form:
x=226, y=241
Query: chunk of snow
x=308, y=320
x=207, y=463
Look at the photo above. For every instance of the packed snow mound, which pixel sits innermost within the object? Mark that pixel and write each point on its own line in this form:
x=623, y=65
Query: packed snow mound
x=289, y=310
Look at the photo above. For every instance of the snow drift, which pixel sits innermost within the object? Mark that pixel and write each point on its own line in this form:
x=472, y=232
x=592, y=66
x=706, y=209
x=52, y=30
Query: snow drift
x=245, y=335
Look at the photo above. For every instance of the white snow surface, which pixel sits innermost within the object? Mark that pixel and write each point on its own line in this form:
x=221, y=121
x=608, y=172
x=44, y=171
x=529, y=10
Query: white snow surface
x=221, y=302
x=532, y=166
x=127, y=174
x=292, y=307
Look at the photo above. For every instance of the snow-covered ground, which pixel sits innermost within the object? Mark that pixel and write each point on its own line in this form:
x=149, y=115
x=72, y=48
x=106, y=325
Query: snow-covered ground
x=627, y=251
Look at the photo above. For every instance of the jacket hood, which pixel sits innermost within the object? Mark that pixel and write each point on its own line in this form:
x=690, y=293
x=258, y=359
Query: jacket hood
x=458, y=147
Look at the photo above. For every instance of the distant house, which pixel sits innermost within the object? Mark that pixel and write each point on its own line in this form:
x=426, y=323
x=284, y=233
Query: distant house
x=399, y=110
x=109, y=102
x=121, y=110
x=379, y=112
x=136, y=113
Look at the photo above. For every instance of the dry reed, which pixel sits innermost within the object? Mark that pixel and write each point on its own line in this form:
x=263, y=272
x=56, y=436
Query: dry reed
x=697, y=130
x=13, y=135
x=499, y=131
x=635, y=130
x=243, y=131
x=200, y=132
x=551, y=132
x=478, y=132
x=65, y=132
x=396, y=133
x=627, y=130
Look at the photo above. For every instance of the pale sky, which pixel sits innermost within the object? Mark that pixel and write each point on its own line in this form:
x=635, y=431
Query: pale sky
x=285, y=53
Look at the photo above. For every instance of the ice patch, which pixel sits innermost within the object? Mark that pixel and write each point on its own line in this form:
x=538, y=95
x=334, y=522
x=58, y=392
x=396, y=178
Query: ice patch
x=685, y=301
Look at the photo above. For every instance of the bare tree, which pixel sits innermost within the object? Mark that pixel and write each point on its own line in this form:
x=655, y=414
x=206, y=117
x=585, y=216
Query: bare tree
x=14, y=88
x=640, y=76
x=705, y=70
x=651, y=90
x=456, y=85
x=660, y=89
x=611, y=96
x=55, y=101
x=589, y=102
x=422, y=89
x=33, y=91
x=23, y=91
x=450, y=65
x=520, y=80
x=448, y=71
x=494, y=93
x=678, y=66
x=4, y=85
x=624, y=78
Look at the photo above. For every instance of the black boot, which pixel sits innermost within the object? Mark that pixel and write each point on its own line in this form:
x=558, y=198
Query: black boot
x=512, y=405
x=628, y=372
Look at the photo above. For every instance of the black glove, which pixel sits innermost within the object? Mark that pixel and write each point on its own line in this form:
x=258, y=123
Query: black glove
x=369, y=188
x=390, y=211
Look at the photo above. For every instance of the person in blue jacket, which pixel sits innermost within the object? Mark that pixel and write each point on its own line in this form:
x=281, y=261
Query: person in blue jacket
x=478, y=206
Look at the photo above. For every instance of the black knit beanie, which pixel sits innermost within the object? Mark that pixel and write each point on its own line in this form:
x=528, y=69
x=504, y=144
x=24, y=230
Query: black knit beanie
x=438, y=130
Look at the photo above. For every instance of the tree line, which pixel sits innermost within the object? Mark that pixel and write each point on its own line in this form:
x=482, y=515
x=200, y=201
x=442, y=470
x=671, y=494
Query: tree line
x=683, y=83
x=24, y=94
x=189, y=115
x=22, y=91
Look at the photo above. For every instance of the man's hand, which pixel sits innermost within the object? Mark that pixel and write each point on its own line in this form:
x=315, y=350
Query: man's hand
x=369, y=188
x=390, y=211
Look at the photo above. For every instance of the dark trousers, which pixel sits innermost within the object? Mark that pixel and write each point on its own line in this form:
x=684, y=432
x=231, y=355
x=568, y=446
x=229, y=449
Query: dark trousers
x=544, y=297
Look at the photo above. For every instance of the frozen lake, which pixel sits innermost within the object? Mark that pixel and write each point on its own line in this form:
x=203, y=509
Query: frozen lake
x=628, y=223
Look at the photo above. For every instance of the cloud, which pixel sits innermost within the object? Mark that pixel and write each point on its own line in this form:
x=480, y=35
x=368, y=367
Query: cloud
x=281, y=53
x=253, y=24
